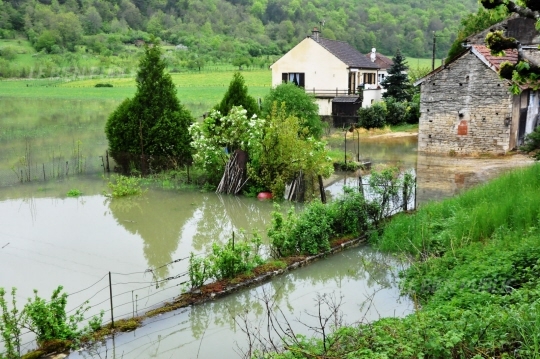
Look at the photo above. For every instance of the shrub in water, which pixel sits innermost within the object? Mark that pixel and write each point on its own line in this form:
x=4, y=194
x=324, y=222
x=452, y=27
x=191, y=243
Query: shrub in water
x=125, y=186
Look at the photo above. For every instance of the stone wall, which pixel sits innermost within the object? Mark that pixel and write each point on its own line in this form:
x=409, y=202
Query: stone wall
x=465, y=108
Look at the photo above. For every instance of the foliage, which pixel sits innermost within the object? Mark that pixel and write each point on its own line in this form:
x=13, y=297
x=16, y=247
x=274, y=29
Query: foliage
x=49, y=320
x=388, y=186
x=284, y=154
x=237, y=95
x=199, y=270
x=261, y=28
x=526, y=72
x=532, y=144
x=218, y=135
x=478, y=297
x=396, y=111
x=226, y=261
x=474, y=23
x=295, y=102
x=10, y=326
x=373, y=116
x=103, y=85
x=397, y=83
x=235, y=257
x=153, y=123
x=310, y=231
x=74, y=193
x=125, y=186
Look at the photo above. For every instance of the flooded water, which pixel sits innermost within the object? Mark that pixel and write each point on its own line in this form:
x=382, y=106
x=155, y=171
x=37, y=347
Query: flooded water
x=48, y=239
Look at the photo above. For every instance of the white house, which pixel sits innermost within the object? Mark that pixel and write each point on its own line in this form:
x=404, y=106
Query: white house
x=328, y=69
x=384, y=64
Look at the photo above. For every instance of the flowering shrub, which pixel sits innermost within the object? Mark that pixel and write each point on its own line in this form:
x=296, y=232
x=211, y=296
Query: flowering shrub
x=218, y=136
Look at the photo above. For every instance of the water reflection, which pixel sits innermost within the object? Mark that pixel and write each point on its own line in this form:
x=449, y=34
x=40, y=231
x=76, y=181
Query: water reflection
x=210, y=330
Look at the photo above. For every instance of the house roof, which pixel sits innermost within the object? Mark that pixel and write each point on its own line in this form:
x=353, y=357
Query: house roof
x=483, y=53
x=494, y=62
x=382, y=61
x=347, y=99
x=346, y=53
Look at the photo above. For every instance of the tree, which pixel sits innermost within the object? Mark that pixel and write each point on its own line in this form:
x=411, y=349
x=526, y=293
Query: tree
x=284, y=154
x=397, y=83
x=527, y=71
x=237, y=95
x=296, y=102
x=152, y=128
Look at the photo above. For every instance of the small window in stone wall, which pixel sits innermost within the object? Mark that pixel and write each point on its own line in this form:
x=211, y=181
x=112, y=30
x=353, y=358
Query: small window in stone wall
x=463, y=128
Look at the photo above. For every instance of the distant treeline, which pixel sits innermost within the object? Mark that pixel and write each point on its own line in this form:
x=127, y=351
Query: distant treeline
x=234, y=29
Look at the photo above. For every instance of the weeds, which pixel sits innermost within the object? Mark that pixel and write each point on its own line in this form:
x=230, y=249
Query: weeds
x=125, y=186
x=226, y=261
x=74, y=193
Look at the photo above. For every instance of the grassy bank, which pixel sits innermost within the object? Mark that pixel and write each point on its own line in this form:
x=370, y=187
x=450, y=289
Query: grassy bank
x=475, y=280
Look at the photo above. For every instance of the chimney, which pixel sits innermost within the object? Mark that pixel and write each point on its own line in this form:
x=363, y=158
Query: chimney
x=315, y=34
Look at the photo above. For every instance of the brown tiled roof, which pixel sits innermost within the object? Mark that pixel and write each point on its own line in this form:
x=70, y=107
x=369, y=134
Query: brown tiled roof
x=484, y=54
x=382, y=61
x=346, y=53
x=496, y=61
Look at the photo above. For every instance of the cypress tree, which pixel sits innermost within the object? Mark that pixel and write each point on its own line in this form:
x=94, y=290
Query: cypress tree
x=237, y=95
x=397, y=83
x=153, y=125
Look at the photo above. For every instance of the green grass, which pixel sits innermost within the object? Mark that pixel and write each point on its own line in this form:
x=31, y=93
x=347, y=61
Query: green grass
x=405, y=127
x=418, y=63
x=198, y=91
x=510, y=201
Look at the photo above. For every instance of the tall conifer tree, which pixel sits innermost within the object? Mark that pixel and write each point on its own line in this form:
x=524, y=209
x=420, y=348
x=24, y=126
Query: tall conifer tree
x=397, y=83
x=153, y=123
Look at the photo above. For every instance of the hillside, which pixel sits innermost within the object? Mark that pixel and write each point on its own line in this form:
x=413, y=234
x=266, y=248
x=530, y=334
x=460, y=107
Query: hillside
x=248, y=32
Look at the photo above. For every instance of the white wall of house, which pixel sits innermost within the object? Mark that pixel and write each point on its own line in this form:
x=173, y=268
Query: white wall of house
x=325, y=106
x=371, y=96
x=323, y=71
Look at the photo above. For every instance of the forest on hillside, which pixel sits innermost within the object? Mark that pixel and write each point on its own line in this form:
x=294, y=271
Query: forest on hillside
x=233, y=29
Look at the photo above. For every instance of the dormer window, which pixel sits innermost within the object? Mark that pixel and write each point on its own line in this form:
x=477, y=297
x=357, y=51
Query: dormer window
x=296, y=78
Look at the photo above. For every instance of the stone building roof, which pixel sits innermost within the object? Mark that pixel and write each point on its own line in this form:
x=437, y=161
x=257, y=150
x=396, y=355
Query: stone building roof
x=494, y=62
x=346, y=53
x=483, y=53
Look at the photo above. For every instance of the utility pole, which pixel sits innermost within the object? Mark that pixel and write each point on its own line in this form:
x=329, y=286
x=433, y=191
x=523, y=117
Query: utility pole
x=433, y=52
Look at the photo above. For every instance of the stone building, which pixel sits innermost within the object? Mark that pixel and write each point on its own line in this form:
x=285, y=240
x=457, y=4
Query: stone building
x=467, y=108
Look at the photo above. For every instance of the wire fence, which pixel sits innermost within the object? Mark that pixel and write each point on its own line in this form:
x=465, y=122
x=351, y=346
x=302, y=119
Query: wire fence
x=119, y=296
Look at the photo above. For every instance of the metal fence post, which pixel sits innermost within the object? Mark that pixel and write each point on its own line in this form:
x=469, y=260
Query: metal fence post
x=110, y=291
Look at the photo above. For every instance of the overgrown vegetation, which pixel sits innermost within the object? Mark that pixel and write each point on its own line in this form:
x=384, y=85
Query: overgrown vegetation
x=532, y=144
x=475, y=282
x=237, y=95
x=310, y=231
x=226, y=260
x=47, y=319
x=124, y=186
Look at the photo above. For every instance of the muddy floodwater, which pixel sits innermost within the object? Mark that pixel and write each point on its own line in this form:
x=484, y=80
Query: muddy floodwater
x=142, y=243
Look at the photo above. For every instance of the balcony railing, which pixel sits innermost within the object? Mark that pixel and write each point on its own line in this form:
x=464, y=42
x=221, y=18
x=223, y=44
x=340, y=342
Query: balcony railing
x=335, y=92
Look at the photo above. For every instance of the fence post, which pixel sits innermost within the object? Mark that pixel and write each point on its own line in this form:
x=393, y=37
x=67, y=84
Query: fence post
x=360, y=185
x=321, y=189
x=110, y=292
x=405, y=193
x=107, y=157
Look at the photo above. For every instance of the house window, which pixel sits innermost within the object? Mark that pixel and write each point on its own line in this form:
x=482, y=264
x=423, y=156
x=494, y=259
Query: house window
x=296, y=78
x=369, y=78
